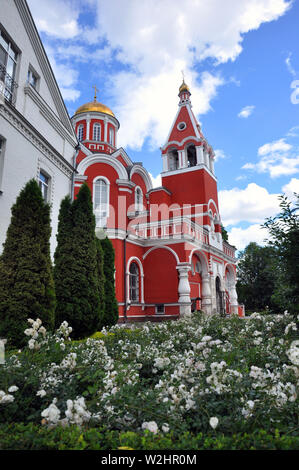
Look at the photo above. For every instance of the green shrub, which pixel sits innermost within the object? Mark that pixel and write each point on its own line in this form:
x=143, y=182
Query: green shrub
x=36, y=437
x=26, y=278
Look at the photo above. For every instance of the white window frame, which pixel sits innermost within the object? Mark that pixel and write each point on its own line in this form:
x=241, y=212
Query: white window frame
x=44, y=186
x=156, y=309
x=96, y=132
x=11, y=55
x=33, y=78
x=80, y=130
x=138, y=205
x=136, y=288
x=101, y=220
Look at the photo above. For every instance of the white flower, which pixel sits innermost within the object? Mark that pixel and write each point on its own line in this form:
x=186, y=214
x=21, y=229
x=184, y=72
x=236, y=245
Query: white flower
x=151, y=426
x=41, y=393
x=214, y=422
x=52, y=413
x=7, y=399
x=13, y=389
x=31, y=344
x=165, y=427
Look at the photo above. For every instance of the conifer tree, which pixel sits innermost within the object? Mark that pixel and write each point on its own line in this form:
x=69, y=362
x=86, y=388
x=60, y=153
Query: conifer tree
x=111, y=306
x=76, y=271
x=26, y=278
x=101, y=281
x=64, y=261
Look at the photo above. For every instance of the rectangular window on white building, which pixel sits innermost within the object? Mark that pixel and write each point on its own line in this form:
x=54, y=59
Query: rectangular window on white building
x=32, y=78
x=44, y=182
x=8, y=64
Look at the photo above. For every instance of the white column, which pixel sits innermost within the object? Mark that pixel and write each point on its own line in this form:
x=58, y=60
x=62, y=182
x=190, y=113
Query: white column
x=105, y=130
x=206, y=294
x=184, y=289
x=206, y=158
x=165, y=162
x=87, y=128
x=212, y=165
x=199, y=155
x=142, y=288
x=181, y=154
x=233, y=298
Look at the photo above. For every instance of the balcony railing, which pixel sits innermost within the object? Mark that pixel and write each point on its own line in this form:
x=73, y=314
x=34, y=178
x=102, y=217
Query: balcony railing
x=8, y=85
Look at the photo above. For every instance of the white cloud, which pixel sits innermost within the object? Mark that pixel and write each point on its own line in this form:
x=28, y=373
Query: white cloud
x=293, y=132
x=289, y=65
x=252, y=204
x=291, y=187
x=241, y=237
x=66, y=76
x=278, y=158
x=155, y=41
x=152, y=105
x=246, y=111
x=273, y=147
x=156, y=180
x=219, y=154
x=58, y=18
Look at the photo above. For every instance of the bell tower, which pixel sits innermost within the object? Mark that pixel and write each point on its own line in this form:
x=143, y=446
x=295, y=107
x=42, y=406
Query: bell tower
x=188, y=159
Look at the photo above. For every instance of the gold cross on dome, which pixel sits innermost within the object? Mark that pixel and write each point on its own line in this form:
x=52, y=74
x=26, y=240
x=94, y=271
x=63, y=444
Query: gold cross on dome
x=95, y=92
x=183, y=75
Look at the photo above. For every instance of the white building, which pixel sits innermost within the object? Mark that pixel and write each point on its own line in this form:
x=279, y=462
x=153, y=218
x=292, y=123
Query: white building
x=37, y=139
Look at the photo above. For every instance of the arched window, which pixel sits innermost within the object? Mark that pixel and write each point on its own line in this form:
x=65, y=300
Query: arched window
x=80, y=132
x=198, y=267
x=101, y=201
x=111, y=136
x=138, y=199
x=191, y=155
x=97, y=131
x=134, y=282
x=173, y=160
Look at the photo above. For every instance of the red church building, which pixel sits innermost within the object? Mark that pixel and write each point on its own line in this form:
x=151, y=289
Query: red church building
x=170, y=258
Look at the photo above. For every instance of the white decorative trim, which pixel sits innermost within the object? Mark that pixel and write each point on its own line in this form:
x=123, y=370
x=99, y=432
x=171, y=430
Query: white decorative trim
x=182, y=123
x=140, y=170
x=130, y=260
x=101, y=158
x=35, y=140
x=125, y=190
x=166, y=248
x=102, y=178
x=181, y=142
x=188, y=169
x=122, y=153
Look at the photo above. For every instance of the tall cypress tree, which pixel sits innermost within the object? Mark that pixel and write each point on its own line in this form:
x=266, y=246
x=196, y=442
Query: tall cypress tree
x=101, y=280
x=111, y=306
x=76, y=270
x=64, y=261
x=26, y=278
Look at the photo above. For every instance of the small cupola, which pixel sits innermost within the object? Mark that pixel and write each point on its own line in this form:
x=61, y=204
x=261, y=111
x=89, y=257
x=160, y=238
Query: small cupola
x=184, y=93
x=96, y=126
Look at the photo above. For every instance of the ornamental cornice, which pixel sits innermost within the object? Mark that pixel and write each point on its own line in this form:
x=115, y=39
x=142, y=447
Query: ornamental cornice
x=36, y=139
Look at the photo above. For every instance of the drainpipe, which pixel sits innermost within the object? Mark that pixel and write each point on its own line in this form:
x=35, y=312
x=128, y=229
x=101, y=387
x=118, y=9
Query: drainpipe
x=77, y=148
x=125, y=277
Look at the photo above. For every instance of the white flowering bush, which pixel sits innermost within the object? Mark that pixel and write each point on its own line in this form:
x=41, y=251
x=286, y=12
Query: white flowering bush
x=197, y=374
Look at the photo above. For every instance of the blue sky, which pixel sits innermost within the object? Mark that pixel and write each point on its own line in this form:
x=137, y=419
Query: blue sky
x=241, y=61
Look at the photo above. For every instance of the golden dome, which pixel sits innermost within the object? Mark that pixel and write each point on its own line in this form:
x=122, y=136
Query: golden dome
x=94, y=106
x=184, y=87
